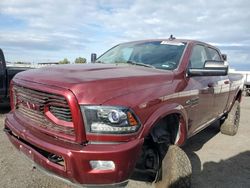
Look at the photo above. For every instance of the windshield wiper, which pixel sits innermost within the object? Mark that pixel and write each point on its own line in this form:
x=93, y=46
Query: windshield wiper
x=99, y=62
x=139, y=64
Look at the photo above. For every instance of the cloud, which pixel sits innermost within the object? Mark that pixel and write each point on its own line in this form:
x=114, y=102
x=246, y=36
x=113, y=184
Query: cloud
x=77, y=28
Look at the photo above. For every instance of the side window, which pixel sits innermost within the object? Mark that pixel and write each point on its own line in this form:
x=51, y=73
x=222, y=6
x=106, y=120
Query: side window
x=198, y=57
x=214, y=55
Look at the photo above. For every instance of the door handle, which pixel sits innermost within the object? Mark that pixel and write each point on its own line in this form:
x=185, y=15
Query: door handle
x=226, y=82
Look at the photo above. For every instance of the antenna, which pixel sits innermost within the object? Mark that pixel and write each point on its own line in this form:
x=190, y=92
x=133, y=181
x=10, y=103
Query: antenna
x=171, y=37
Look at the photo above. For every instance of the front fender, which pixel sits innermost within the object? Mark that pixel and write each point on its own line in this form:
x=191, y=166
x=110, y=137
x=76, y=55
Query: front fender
x=162, y=112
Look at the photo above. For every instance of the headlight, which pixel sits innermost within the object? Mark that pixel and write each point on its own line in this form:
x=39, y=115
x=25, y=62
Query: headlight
x=109, y=120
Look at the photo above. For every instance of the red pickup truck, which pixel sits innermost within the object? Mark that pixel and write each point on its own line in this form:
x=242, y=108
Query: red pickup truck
x=118, y=118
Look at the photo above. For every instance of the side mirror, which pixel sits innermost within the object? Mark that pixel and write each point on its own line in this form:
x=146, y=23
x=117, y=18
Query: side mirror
x=211, y=68
x=93, y=57
x=224, y=57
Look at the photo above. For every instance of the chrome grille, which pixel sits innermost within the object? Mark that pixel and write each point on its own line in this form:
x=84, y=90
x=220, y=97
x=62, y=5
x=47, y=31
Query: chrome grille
x=31, y=103
x=43, y=122
x=61, y=113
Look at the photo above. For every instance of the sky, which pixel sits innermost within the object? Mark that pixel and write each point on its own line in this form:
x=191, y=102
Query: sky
x=47, y=31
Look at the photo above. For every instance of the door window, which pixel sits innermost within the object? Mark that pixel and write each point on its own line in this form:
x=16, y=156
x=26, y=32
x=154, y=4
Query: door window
x=198, y=57
x=214, y=55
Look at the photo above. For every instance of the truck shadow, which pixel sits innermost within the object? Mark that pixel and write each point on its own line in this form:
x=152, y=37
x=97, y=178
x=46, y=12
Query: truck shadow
x=232, y=172
x=229, y=173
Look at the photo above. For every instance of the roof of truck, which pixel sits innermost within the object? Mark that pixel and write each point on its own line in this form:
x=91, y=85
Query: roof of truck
x=175, y=40
x=171, y=40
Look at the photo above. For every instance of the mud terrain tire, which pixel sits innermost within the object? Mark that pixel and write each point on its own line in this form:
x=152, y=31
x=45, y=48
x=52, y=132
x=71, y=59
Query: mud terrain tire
x=176, y=169
x=231, y=124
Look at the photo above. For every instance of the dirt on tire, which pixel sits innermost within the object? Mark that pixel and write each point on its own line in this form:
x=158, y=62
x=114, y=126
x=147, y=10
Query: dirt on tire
x=231, y=124
x=176, y=169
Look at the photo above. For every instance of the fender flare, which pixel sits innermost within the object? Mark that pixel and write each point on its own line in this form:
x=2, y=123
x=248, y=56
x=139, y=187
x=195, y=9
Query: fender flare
x=237, y=96
x=164, y=111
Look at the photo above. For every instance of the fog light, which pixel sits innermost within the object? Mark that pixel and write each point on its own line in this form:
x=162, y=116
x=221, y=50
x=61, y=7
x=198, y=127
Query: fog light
x=102, y=165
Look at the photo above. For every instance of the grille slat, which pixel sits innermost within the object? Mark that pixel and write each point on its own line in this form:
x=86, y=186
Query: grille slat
x=38, y=93
x=61, y=114
x=26, y=98
x=62, y=118
x=30, y=104
x=60, y=109
x=66, y=114
x=57, y=101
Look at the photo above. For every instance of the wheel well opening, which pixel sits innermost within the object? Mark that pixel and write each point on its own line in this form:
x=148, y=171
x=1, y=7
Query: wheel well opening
x=155, y=147
x=166, y=129
x=238, y=96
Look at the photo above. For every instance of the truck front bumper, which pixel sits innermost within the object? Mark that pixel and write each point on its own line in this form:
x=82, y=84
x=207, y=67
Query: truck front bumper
x=75, y=165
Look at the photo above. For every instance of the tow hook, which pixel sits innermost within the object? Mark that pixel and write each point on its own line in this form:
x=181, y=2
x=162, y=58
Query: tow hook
x=55, y=158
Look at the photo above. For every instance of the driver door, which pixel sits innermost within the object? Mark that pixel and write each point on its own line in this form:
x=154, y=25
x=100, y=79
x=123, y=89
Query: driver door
x=203, y=102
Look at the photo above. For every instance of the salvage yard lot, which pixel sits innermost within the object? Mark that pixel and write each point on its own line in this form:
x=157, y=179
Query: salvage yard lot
x=217, y=160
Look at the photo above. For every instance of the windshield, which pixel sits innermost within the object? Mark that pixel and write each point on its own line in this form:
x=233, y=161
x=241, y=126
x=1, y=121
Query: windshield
x=156, y=54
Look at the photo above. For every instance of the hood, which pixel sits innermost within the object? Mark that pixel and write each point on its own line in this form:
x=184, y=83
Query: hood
x=98, y=83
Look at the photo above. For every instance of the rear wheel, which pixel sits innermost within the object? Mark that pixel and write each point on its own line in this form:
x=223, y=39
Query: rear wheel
x=231, y=124
x=176, y=169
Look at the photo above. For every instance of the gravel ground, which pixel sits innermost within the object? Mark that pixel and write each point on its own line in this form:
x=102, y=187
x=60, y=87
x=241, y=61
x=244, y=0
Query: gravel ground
x=217, y=160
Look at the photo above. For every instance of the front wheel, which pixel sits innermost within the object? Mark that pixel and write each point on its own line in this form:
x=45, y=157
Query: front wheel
x=176, y=169
x=231, y=124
